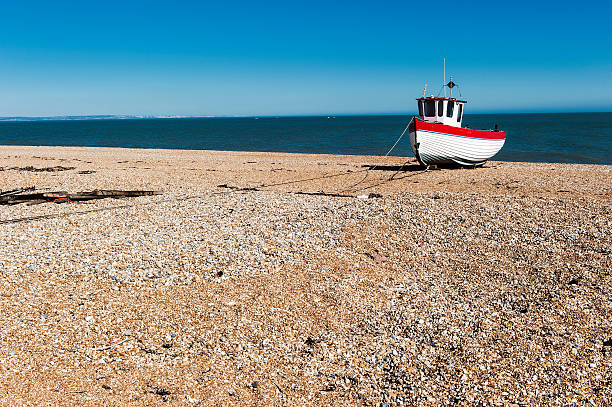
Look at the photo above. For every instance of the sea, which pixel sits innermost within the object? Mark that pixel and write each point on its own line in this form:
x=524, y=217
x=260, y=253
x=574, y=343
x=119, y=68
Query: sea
x=538, y=137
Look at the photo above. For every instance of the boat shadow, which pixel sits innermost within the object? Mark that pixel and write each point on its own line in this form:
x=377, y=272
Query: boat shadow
x=418, y=167
x=396, y=168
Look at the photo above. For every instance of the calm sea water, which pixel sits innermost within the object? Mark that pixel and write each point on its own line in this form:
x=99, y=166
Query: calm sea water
x=568, y=138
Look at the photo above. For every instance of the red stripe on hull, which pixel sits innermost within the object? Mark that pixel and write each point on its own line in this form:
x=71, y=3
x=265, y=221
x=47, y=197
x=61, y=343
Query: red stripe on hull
x=459, y=131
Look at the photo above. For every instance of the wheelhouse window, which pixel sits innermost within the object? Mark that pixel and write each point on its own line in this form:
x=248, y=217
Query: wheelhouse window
x=440, y=108
x=430, y=108
x=460, y=112
x=450, y=108
x=420, y=108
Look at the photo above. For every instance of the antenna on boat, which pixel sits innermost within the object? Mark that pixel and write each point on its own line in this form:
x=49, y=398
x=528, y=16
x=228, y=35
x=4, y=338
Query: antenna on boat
x=451, y=85
x=424, y=90
x=444, y=78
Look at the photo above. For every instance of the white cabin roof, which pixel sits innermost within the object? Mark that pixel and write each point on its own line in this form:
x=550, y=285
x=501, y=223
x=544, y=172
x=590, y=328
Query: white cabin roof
x=436, y=109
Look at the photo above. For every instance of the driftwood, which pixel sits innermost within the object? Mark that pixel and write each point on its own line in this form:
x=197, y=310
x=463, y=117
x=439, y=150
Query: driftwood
x=27, y=195
x=237, y=188
x=297, y=193
x=324, y=194
x=34, y=169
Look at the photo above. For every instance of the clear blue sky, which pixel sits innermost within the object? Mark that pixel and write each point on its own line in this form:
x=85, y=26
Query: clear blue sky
x=307, y=57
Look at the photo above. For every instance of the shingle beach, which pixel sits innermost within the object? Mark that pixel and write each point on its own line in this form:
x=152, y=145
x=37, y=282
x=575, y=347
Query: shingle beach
x=243, y=284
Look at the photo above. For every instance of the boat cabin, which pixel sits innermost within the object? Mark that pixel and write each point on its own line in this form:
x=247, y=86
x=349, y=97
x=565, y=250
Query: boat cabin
x=436, y=109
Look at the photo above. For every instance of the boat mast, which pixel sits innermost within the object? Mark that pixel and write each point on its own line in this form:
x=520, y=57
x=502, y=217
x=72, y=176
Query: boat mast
x=444, y=78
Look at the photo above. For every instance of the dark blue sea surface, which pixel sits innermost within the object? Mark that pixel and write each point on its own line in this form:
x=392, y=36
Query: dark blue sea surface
x=558, y=137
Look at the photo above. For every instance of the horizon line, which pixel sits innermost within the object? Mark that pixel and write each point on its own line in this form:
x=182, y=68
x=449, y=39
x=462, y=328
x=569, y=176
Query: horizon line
x=77, y=117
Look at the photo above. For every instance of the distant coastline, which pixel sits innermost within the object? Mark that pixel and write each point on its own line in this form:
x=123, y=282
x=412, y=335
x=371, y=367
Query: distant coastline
x=93, y=117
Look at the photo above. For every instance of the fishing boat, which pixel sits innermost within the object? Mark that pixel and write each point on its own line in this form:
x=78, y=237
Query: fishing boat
x=437, y=138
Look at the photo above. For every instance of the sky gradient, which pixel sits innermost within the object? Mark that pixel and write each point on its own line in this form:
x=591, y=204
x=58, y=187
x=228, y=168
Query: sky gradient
x=300, y=58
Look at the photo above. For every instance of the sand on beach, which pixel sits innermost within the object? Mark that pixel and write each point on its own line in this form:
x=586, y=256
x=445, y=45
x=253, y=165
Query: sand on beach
x=268, y=279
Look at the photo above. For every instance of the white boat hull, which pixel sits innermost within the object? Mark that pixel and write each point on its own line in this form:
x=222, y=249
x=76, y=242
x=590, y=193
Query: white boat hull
x=434, y=147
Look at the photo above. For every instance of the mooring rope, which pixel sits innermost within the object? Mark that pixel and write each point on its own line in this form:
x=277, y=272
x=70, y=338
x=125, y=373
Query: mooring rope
x=66, y=214
x=349, y=189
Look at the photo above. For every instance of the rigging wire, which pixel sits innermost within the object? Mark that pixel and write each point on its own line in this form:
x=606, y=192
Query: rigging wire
x=459, y=89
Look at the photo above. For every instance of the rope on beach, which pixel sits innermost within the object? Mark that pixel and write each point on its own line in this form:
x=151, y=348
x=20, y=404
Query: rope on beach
x=297, y=181
x=367, y=170
x=108, y=208
x=350, y=189
x=62, y=215
x=392, y=177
